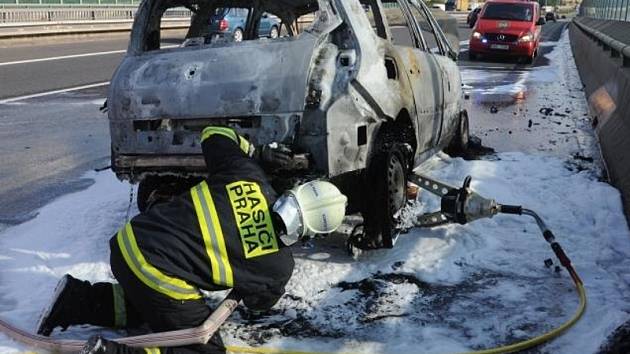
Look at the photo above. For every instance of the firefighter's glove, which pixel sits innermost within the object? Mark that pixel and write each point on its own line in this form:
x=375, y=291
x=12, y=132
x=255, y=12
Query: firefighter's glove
x=276, y=155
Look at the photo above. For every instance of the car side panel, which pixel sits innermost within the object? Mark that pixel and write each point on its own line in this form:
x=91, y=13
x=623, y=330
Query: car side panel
x=452, y=86
x=425, y=76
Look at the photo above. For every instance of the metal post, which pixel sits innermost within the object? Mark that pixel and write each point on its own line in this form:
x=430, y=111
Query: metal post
x=608, y=16
x=618, y=10
x=627, y=10
x=610, y=9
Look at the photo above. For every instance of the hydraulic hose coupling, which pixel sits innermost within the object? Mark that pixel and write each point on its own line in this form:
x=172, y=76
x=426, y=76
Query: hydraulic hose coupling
x=464, y=205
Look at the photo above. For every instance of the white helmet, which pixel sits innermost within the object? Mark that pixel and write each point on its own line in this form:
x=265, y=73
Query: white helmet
x=316, y=207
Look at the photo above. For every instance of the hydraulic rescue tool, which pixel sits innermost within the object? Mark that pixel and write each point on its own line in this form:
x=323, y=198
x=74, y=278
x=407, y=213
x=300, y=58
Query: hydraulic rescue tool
x=458, y=205
x=463, y=205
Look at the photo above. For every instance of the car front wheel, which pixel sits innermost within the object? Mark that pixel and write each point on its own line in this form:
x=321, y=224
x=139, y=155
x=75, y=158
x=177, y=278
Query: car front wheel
x=274, y=32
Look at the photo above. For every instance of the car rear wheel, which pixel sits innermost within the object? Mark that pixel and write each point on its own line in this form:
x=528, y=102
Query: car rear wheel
x=274, y=32
x=153, y=190
x=472, y=56
x=460, y=141
x=238, y=35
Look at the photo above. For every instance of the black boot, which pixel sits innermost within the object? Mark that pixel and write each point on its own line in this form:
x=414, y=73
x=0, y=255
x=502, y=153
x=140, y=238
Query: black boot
x=59, y=311
x=100, y=345
x=77, y=302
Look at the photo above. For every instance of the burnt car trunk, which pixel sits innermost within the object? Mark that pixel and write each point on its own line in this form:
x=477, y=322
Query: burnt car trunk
x=160, y=101
x=236, y=80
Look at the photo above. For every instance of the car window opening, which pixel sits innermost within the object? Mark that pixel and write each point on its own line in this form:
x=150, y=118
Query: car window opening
x=208, y=22
x=375, y=17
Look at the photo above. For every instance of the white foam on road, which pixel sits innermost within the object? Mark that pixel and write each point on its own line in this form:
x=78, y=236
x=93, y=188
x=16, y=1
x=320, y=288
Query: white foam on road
x=490, y=283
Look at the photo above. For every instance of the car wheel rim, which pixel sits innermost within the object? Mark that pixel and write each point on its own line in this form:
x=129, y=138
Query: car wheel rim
x=396, y=183
x=274, y=33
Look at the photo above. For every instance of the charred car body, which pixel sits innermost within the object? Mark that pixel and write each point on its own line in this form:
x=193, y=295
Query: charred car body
x=350, y=104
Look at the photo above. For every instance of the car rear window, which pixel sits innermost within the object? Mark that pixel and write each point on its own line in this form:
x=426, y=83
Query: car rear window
x=510, y=12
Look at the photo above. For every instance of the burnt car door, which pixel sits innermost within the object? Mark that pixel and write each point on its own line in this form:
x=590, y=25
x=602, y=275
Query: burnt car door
x=425, y=75
x=443, y=54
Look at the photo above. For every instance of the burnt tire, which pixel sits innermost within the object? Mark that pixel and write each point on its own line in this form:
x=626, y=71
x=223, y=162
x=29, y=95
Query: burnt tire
x=154, y=190
x=459, y=143
x=385, y=189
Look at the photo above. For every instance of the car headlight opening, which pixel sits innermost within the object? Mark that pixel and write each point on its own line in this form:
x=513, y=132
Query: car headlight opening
x=527, y=37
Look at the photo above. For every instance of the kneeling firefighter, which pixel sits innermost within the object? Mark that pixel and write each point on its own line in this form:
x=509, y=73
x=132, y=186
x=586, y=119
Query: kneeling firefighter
x=220, y=235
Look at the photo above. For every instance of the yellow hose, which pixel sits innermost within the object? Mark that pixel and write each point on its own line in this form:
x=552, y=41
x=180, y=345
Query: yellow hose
x=504, y=349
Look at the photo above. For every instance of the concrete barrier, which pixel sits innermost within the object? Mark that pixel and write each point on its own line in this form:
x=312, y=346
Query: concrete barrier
x=607, y=86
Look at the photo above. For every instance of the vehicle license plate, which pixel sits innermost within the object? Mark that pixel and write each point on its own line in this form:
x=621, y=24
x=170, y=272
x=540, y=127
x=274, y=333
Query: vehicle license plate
x=500, y=46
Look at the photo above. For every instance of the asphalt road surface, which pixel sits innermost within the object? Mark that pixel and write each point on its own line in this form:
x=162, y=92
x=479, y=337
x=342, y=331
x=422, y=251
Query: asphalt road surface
x=48, y=143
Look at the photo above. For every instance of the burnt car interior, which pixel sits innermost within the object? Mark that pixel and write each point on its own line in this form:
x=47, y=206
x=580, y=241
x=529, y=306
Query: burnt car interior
x=200, y=12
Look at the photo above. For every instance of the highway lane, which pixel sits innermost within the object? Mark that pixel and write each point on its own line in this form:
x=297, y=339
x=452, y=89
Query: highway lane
x=28, y=78
x=20, y=77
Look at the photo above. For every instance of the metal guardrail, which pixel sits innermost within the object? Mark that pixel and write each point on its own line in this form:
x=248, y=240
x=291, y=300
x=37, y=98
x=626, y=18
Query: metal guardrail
x=618, y=10
x=68, y=2
x=39, y=15
x=617, y=48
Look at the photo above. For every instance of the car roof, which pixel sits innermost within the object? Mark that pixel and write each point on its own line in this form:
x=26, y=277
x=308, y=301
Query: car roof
x=510, y=2
x=299, y=7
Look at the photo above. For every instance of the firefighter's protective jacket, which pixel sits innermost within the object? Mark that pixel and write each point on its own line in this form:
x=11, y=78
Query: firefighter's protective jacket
x=219, y=235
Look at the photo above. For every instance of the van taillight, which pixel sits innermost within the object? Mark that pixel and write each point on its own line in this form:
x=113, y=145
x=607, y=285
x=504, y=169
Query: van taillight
x=223, y=25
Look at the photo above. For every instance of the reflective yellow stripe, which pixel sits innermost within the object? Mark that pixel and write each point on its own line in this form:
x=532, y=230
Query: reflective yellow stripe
x=120, y=312
x=152, y=350
x=149, y=275
x=227, y=132
x=212, y=235
x=244, y=145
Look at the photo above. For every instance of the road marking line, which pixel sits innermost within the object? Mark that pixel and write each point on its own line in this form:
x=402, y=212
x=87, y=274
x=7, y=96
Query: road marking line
x=48, y=93
x=28, y=61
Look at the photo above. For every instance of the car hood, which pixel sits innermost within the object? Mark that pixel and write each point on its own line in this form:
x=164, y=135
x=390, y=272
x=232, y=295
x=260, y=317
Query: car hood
x=501, y=26
x=237, y=79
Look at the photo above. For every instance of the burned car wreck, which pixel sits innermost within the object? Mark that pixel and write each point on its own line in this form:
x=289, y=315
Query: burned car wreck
x=350, y=104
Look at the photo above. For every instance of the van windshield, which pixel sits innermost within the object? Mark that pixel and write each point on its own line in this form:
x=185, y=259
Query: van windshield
x=512, y=12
